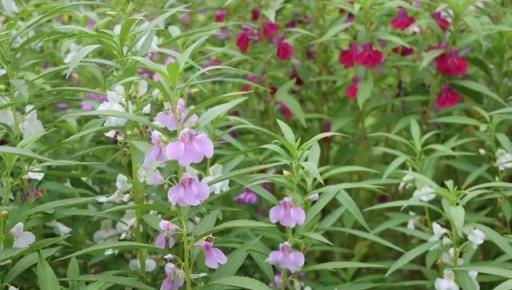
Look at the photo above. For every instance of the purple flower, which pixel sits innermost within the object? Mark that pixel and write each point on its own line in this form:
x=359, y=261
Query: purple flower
x=246, y=197
x=90, y=23
x=168, y=119
x=189, y=148
x=156, y=152
x=223, y=34
x=286, y=214
x=213, y=257
x=286, y=258
x=165, y=238
x=174, y=278
x=62, y=106
x=189, y=191
x=86, y=106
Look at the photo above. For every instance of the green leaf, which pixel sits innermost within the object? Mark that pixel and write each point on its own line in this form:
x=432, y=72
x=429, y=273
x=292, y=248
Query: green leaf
x=287, y=132
x=364, y=92
x=368, y=236
x=206, y=223
x=346, y=200
x=124, y=115
x=429, y=56
x=241, y=283
x=409, y=256
x=46, y=278
x=249, y=224
x=496, y=238
x=317, y=237
x=112, y=245
x=457, y=120
x=84, y=51
x=481, y=89
x=119, y=280
x=340, y=265
x=507, y=285
x=335, y=29
x=218, y=110
x=26, y=262
x=284, y=96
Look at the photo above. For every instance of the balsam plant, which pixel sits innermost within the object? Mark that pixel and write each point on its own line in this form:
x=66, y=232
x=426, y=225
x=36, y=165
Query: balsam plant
x=260, y=145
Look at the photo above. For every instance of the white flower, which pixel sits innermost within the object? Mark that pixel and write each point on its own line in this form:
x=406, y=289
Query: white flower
x=424, y=193
x=143, y=87
x=6, y=115
x=125, y=225
x=482, y=151
x=114, y=102
x=10, y=6
x=22, y=239
x=35, y=175
x=413, y=220
x=73, y=51
x=31, y=126
x=59, y=228
x=2, y=72
x=105, y=233
x=439, y=233
x=134, y=265
x=406, y=180
x=214, y=172
x=475, y=236
x=119, y=196
x=448, y=257
x=12, y=288
x=503, y=160
x=146, y=109
x=447, y=282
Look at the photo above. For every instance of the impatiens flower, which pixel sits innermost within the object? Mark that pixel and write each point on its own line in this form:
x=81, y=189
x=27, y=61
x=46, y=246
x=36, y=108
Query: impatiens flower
x=286, y=258
x=406, y=180
x=31, y=126
x=447, y=282
x=243, y=39
x=214, y=172
x=22, y=239
x=402, y=20
x=369, y=57
x=6, y=115
x=439, y=234
x=90, y=23
x=12, y=288
x=220, y=15
x=403, y=50
x=246, y=197
x=413, y=220
x=72, y=53
x=443, y=22
x=503, y=159
x=255, y=14
x=424, y=193
x=351, y=91
x=347, y=58
x=268, y=30
x=213, y=257
x=105, y=233
x=190, y=147
x=284, y=50
x=223, y=34
x=168, y=119
x=59, y=228
x=156, y=152
x=174, y=278
x=287, y=214
x=475, y=236
x=448, y=97
x=189, y=191
x=126, y=224
x=449, y=258
x=10, y=6
x=62, y=106
x=119, y=196
x=285, y=110
x=165, y=238
x=451, y=63
x=134, y=265
x=114, y=102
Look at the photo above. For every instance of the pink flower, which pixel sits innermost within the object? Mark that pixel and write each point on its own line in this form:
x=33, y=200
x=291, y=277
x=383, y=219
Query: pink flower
x=402, y=20
x=213, y=257
x=285, y=111
x=403, y=50
x=89, y=24
x=62, y=106
x=369, y=57
x=168, y=120
x=220, y=15
x=255, y=14
x=284, y=50
x=351, y=91
x=347, y=58
x=246, y=197
x=156, y=152
x=268, y=30
x=174, y=278
x=165, y=238
x=86, y=106
x=441, y=21
x=447, y=97
x=189, y=148
x=451, y=63
x=286, y=214
x=243, y=39
x=286, y=258
x=189, y=191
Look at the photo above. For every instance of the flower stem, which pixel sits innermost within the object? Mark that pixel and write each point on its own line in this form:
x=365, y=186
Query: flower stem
x=138, y=197
x=186, y=248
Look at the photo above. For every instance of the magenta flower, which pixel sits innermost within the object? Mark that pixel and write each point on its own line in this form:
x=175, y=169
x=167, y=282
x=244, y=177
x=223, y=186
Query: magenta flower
x=285, y=110
x=246, y=197
x=451, y=63
x=402, y=20
x=220, y=15
x=347, y=57
x=351, y=91
x=213, y=257
x=189, y=148
x=268, y=30
x=86, y=106
x=90, y=23
x=165, y=238
x=287, y=214
x=284, y=50
x=174, y=278
x=442, y=22
x=369, y=57
x=448, y=97
x=243, y=39
x=286, y=258
x=189, y=191
x=168, y=119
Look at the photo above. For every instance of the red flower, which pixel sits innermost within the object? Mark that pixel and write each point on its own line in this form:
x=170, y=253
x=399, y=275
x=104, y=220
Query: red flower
x=243, y=39
x=285, y=111
x=220, y=15
x=447, y=97
x=403, y=50
x=402, y=20
x=268, y=30
x=284, y=50
x=451, y=64
x=347, y=58
x=369, y=57
x=351, y=91
x=255, y=14
x=443, y=23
